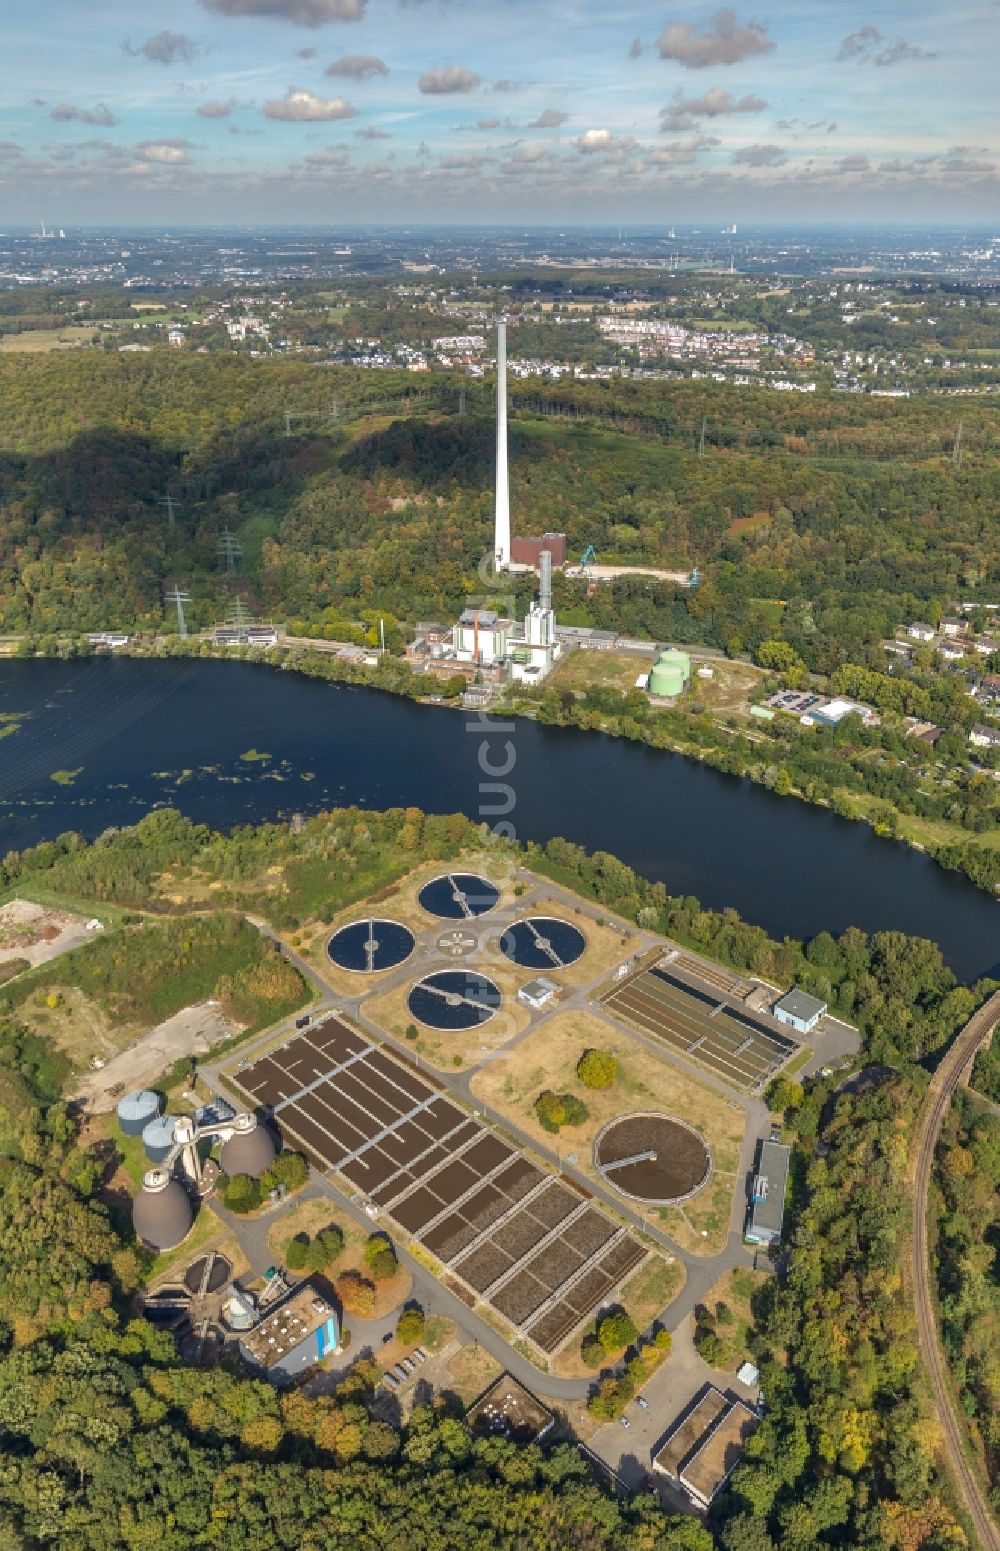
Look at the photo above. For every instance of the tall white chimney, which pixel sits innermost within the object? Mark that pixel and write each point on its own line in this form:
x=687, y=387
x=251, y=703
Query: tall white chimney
x=501, y=539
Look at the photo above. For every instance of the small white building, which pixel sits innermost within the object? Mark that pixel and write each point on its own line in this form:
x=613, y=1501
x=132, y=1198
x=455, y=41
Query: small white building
x=983, y=737
x=538, y=993
x=799, y=1010
x=918, y=631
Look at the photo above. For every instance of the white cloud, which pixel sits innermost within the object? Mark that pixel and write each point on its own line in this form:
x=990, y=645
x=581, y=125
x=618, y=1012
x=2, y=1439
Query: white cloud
x=372, y=133
x=302, y=107
x=215, y=109
x=760, y=156
x=549, y=118
x=99, y=114
x=451, y=78
x=165, y=153
x=302, y=13
x=336, y=157
x=684, y=112
x=602, y=142
x=725, y=40
x=164, y=48
x=358, y=67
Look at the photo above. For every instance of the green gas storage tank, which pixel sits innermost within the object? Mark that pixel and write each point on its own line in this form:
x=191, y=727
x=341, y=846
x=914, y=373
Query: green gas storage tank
x=671, y=673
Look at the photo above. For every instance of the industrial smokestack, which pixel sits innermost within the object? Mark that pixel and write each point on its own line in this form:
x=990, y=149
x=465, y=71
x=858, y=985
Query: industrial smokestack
x=545, y=579
x=501, y=538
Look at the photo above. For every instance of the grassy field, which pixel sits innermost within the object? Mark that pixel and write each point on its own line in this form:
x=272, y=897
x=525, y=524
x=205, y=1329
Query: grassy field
x=511, y=1084
x=471, y=1370
x=41, y=341
x=583, y=670
x=728, y=691
x=735, y=1290
x=309, y=1217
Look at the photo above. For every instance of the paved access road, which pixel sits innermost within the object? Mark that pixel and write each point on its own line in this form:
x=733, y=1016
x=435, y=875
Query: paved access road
x=942, y=1090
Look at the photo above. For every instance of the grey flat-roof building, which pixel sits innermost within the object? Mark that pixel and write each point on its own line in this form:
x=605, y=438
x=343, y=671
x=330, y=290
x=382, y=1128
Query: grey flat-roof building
x=704, y=1447
x=767, y=1199
x=799, y=1010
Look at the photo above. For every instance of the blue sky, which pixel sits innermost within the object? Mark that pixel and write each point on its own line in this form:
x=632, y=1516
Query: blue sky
x=551, y=111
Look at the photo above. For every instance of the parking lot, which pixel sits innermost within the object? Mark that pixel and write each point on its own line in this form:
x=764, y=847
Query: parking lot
x=533, y=1246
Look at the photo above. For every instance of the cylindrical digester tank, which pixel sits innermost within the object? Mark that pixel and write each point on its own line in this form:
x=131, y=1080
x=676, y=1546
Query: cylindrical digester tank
x=671, y=673
x=136, y=1110
x=162, y=1214
x=158, y=1137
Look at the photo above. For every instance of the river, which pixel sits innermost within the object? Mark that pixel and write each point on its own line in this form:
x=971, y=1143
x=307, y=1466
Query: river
x=124, y=736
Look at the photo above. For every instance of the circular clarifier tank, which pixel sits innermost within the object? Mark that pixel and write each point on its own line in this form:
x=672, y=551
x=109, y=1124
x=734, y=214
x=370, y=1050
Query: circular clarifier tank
x=459, y=896
x=454, y=999
x=543, y=942
x=368, y=946
x=652, y=1157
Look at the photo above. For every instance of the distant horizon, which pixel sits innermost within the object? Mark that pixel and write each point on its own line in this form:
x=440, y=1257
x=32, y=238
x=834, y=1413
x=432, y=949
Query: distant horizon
x=707, y=224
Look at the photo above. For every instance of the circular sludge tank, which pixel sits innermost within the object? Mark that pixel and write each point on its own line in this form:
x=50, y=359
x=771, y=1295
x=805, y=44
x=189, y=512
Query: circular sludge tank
x=250, y=1150
x=459, y=896
x=214, y=1271
x=158, y=1137
x=369, y=946
x=543, y=942
x=652, y=1157
x=162, y=1214
x=136, y=1110
x=671, y=673
x=454, y=999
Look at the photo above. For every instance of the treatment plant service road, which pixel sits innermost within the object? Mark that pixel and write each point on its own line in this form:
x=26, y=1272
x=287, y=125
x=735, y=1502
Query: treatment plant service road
x=701, y=1272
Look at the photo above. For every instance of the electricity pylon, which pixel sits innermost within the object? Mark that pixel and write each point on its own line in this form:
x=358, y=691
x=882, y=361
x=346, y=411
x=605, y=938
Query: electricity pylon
x=230, y=550
x=179, y=598
x=168, y=501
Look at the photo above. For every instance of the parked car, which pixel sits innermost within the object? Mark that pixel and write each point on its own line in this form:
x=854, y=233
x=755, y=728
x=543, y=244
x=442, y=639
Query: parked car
x=625, y=1422
x=304, y=1021
x=775, y=1133
x=641, y=1400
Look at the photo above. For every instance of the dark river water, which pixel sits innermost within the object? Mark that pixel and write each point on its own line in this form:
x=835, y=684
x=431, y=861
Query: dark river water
x=137, y=734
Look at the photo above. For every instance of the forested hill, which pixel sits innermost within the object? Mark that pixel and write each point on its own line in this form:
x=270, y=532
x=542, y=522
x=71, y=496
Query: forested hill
x=829, y=519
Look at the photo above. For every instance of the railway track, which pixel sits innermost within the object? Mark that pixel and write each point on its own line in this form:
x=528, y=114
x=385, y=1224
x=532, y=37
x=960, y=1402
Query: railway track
x=946, y=1080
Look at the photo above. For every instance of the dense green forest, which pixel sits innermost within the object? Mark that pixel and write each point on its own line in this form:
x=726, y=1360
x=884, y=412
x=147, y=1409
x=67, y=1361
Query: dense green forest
x=967, y=1179
x=109, y=1441
x=827, y=520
